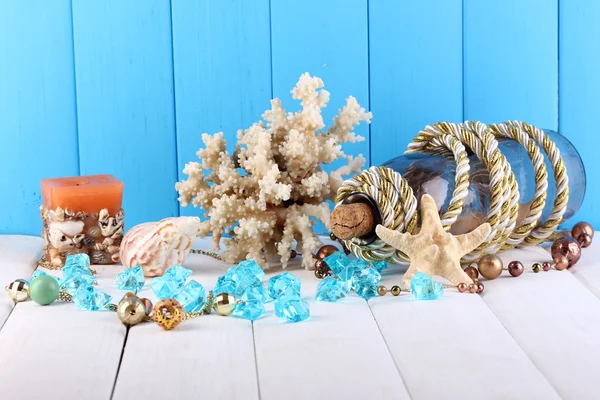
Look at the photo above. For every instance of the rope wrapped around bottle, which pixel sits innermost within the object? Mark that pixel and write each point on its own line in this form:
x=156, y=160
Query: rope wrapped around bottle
x=397, y=203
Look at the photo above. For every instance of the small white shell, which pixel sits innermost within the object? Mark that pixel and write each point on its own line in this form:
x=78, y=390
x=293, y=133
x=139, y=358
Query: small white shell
x=156, y=246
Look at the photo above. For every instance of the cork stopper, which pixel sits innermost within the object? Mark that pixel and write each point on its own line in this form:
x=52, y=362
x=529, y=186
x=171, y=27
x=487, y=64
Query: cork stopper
x=350, y=221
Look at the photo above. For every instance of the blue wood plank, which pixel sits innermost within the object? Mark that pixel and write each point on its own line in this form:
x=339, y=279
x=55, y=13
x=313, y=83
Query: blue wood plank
x=416, y=70
x=326, y=39
x=37, y=107
x=222, y=64
x=511, y=61
x=124, y=76
x=580, y=91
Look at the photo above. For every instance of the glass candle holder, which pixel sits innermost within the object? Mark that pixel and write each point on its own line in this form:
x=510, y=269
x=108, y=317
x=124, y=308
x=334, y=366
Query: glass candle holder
x=82, y=214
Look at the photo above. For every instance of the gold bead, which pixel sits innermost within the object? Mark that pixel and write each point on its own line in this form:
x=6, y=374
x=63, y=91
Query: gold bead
x=168, y=313
x=18, y=290
x=224, y=304
x=537, y=267
x=396, y=290
x=319, y=273
x=381, y=290
x=490, y=266
x=473, y=288
x=131, y=310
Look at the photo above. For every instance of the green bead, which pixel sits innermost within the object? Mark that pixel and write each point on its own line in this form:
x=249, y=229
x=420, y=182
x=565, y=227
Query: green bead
x=44, y=290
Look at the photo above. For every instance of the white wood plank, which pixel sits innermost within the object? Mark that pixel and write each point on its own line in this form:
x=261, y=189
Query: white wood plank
x=66, y=353
x=18, y=259
x=454, y=347
x=210, y=357
x=555, y=319
x=337, y=353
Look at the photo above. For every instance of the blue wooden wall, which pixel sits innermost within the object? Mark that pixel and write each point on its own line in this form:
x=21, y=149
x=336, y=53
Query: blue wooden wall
x=127, y=86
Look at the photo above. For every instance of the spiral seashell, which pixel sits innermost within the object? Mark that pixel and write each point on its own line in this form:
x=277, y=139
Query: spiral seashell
x=157, y=246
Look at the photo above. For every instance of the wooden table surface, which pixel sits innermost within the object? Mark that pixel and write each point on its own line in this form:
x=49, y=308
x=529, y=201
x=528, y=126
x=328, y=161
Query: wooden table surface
x=532, y=337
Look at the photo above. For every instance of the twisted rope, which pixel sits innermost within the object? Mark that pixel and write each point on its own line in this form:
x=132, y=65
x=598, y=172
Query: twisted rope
x=397, y=202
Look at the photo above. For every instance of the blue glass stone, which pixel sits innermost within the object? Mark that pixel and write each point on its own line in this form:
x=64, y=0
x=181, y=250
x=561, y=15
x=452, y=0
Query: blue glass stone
x=380, y=266
x=70, y=269
x=292, y=308
x=224, y=285
x=88, y=298
x=178, y=274
x=365, y=281
x=77, y=260
x=251, y=303
x=76, y=279
x=192, y=297
x=164, y=288
x=331, y=289
x=131, y=279
x=282, y=283
x=423, y=287
x=342, y=267
x=251, y=267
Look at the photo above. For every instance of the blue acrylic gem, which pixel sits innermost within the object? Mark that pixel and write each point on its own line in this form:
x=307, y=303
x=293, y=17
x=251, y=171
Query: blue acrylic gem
x=76, y=279
x=192, y=297
x=292, y=308
x=423, y=287
x=251, y=305
x=380, y=266
x=78, y=260
x=279, y=284
x=251, y=267
x=178, y=274
x=331, y=289
x=342, y=267
x=365, y=281
x=88, y=298
x=70, y=269
x=131, y=279
x=224, y=285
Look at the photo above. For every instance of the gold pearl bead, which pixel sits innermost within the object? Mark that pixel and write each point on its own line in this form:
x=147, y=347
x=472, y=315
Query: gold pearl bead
x=319, y=273
x=381, y=290
x=473, y=288
x=537, y=267
x=131, y=310
x=396, y=290
x=168, y=313
x=490, y=266
x=224, y=304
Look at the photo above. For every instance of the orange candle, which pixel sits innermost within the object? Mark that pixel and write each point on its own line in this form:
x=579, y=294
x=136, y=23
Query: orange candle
x=83, y=193
x=82, y=215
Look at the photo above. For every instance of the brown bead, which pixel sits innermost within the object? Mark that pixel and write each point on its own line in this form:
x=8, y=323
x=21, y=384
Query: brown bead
x=332, y=236
x=168, y=313
x=472, y=272
x=537, y=267
x=293, y=254
x=396, y=290
x=584, y=240
x=381, y=290
x=148, y=305
x=568, y=247
x=561, y=262
x=326, y=251
x=515, y=268
x=490, y=266
x=472, y=288
x=480, y=287
x=462, y=287
x=319, y=273
x=546, y=266
x=582, y=228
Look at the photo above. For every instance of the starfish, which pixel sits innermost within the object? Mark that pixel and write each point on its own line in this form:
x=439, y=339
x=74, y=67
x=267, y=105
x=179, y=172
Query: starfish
x=434, y=251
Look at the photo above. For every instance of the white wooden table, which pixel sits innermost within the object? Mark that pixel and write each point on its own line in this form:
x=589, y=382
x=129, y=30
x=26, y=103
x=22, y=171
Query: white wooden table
x=533, y=337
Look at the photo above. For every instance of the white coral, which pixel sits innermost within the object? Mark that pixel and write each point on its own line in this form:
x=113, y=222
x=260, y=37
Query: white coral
x=281, y=189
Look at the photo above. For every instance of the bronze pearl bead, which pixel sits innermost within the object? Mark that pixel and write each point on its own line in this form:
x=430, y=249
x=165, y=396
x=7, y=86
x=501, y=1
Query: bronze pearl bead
x=568, y=247
x=472, y=272
x=396, y=290
x=582, y=228
x=515, y=268
x=490, y=266
x=472, y=288
x=293, y=254
x=480, y=287
x=326, y=251
x=546, y=266
x=148, y=305
x=462, y=287
x=381, y=290
x=561, y=262
x=584, y=240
